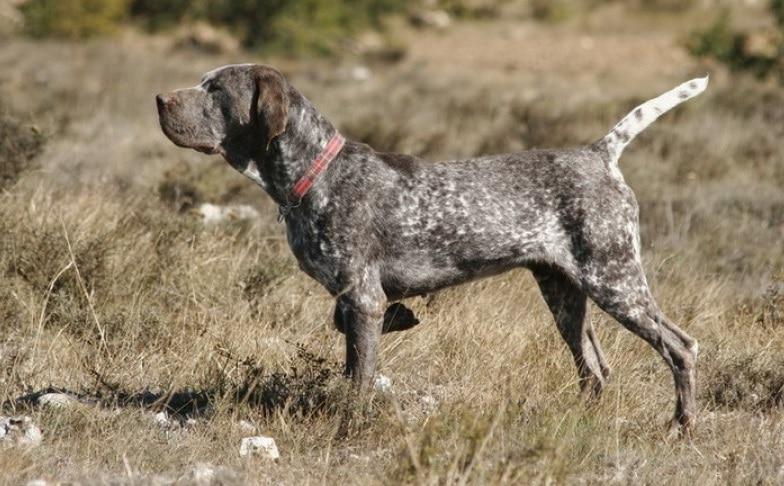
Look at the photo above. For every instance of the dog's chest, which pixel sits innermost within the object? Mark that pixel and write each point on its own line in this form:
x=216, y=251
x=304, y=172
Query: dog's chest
x=319, y=253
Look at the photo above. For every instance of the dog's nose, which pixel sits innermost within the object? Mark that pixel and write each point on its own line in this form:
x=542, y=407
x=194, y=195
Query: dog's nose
x=163, y=101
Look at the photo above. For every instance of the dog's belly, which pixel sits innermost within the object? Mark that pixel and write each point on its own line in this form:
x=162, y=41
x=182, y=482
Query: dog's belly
x=418, y=274
x=400, y=281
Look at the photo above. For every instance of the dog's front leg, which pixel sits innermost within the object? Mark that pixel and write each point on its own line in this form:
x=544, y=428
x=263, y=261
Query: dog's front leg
x=362, y=314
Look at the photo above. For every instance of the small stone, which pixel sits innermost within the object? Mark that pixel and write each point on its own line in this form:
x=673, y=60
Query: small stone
x=32, y=435
x=214, y=214
x=360, y=73
x=382, y=384
x=259, y=445
x=37, y=482
x=19, y=431
x=56, y=400
x=428, y=401
x=162, y=420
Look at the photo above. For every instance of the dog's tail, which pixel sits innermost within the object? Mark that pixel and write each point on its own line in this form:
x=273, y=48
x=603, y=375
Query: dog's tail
x=645, y=114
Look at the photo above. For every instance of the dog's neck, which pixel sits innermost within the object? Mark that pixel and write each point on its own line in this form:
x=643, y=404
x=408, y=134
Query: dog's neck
x=278, y=166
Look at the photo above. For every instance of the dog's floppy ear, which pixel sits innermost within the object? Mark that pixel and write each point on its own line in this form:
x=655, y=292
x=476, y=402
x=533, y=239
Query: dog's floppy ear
x=272, y=102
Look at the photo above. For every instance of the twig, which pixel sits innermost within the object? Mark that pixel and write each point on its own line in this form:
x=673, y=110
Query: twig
x=483, y=444
x=42, y=316
x=410, y=447
x=101, y=332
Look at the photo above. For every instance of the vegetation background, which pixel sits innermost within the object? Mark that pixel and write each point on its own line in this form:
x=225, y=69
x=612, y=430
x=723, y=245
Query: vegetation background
x=115, y=289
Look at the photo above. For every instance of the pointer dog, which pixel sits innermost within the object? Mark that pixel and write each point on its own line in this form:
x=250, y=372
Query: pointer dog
x=375, y=227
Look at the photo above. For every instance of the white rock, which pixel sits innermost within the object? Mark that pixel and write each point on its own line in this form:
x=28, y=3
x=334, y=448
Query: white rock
x=214, y=214
x=429, y=401
x=211, y=213
x=162, y=420
x=32, y=435
x=19, y=431
x=360, y=73
x=37, y=482
x=259, y=445
x=382, y=384
x=56, y=400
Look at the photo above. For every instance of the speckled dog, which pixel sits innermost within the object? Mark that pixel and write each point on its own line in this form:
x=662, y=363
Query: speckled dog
x=375, y=227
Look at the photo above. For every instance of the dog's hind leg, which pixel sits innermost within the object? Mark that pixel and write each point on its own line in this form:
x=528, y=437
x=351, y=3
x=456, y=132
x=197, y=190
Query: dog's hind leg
x=568, y=305
x=621, y=291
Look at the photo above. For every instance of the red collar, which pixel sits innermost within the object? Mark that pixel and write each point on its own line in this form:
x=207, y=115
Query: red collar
x=319, y=165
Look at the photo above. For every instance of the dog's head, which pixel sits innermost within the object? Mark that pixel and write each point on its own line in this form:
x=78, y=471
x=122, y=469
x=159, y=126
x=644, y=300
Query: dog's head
x=237, y=103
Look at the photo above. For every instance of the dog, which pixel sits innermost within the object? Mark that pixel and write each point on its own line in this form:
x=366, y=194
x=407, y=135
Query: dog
x=374, y=227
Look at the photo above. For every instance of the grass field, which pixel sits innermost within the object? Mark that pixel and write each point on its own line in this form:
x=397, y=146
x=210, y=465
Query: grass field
x=113, y=290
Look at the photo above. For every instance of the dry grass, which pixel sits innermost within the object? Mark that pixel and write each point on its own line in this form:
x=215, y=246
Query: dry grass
x=111, y=292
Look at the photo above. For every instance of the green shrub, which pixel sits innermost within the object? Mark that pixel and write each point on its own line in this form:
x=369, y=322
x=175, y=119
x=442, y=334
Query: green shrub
x=473, y=9
x=274, y=25
x=289, y=26
x=777, y=10
x=717, y=41
x=553, y=11
x=300, y=25
x=72, y=18
x=667, y=5
x=760, y=52
x=158, y=14
x=562, y=10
